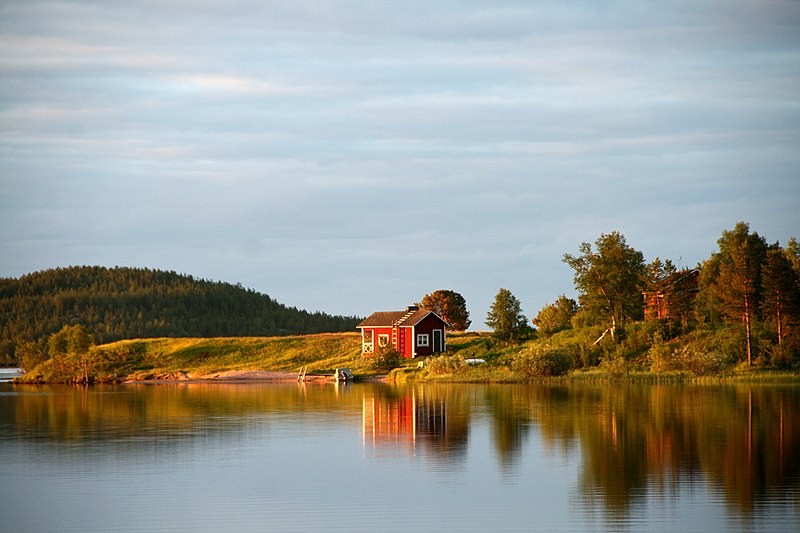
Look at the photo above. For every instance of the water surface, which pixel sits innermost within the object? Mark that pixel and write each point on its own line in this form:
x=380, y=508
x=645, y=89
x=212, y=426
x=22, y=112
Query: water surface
x=283, y=457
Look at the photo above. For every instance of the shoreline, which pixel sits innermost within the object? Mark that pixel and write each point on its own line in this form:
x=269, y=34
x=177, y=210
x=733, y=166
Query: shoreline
x=228, y=376
x=242, y=376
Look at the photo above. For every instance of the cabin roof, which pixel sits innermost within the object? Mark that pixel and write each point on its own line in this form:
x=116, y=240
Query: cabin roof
x=407, y=318
x=682, y=276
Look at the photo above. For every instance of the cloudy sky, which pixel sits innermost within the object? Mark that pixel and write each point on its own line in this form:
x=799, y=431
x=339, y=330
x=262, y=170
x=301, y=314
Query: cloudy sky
x=351, y=156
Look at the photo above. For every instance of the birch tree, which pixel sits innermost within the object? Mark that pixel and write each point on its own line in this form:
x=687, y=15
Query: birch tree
x=609, y=279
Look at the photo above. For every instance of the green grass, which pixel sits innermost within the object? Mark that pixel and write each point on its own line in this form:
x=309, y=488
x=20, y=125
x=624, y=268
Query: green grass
x=198, y=357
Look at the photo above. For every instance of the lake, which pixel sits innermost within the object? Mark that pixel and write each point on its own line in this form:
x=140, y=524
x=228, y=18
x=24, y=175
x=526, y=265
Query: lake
x=373, y=456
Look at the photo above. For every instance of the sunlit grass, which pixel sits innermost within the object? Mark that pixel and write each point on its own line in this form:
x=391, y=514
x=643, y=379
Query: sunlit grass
x=196, y=358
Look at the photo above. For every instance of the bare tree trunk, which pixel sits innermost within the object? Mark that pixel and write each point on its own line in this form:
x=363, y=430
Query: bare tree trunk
x=747, y=331
x=780, y=334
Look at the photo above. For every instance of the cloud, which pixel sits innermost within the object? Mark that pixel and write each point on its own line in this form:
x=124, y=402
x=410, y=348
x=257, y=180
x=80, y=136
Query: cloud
x=313, y=150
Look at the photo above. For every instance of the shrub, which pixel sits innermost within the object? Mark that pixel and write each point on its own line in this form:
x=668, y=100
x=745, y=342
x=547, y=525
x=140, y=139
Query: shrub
x=660, y=355
x=385, y=359
x=444, y=364
x=614, y=364
x=542, y=362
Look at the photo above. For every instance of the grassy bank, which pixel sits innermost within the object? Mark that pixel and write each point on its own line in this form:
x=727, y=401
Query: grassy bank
x=561, y=358
x=198, y=357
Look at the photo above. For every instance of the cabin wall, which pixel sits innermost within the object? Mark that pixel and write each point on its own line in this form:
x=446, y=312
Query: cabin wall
x=427, y=327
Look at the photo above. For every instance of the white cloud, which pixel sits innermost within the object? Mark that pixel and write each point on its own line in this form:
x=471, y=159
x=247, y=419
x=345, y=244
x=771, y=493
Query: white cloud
x=308, y=149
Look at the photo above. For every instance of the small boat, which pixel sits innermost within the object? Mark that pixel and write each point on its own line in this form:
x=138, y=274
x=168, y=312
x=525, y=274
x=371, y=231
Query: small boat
x=343, y=374
x=8, y=374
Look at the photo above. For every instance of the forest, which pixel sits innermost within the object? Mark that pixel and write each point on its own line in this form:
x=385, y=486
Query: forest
x=738, y=309
x=126, y=303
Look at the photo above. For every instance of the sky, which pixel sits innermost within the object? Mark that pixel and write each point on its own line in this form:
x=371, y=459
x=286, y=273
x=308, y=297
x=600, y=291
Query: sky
x=352, y=156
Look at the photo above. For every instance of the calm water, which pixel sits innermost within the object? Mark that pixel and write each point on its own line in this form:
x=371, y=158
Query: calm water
x=267, y=457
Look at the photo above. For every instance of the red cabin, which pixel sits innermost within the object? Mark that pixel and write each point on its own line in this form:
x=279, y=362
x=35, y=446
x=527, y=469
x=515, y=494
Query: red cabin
x=414, y=332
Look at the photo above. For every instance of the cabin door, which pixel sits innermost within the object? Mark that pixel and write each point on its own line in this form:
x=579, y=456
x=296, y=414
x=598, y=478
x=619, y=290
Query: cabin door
x=437, y=341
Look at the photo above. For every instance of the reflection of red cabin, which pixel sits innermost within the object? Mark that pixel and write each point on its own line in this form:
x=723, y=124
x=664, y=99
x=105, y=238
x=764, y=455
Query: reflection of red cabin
x=414, y=332
x=403, y=421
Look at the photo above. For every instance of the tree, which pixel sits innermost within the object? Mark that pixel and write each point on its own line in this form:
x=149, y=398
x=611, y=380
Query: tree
x=70, y=340
x=793, y=253
x=449, y=305
x=657, y=271
x=505, y=317
x=781, y=296
x=610, y=279
x=29, y=354
x=556, y=316
x=731, y=279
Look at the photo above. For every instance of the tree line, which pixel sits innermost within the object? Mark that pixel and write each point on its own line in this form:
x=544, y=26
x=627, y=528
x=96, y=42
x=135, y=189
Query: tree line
x=124, y=303
x=748, y=284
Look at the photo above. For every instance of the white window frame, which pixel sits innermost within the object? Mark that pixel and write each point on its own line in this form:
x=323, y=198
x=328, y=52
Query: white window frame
x=383, y=340
x=423, y=340
x=368, y=346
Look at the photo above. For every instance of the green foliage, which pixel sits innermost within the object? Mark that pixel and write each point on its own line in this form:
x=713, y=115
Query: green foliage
x=656, y=271
x=449, y=305
x=609, y=279
x=614, y=364
x=124, y=303
x=30, y=354
x=701, y=353
x=730, y=286
x=506, y=319
x=556, y=316
x=781, y=309
x=70, y=340
x=542, y=361
x=444, y=364
x=385, y=359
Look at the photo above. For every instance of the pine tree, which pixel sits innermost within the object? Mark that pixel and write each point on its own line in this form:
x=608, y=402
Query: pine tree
x=505, y=317
x=781, y=296
x=731, y=281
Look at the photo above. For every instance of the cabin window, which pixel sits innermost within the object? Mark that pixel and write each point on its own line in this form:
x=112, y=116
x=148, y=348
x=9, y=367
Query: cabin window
x=366, y=341
x=383, y=340
x=422, y=339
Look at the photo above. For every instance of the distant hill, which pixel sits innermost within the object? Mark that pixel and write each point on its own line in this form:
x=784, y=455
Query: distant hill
x=125, y=303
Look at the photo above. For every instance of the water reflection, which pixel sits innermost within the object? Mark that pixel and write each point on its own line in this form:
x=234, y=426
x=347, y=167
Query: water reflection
x=432, y=420
x=741, y=442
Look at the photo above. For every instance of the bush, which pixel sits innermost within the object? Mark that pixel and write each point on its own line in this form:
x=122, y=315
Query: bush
x=444, y=364
x=385, y=359
x=614, y=364
x=542, y=362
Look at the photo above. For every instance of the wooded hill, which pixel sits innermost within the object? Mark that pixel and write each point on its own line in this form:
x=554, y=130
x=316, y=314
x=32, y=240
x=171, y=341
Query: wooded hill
x=126, y=303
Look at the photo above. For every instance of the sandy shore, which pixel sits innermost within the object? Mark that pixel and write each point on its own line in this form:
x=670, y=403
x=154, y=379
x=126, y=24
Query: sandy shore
x=249, y=375
x=229, y=376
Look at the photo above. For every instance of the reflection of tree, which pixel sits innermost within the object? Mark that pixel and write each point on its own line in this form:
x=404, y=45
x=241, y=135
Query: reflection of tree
x=164, y=410
x=760, y=451
x=640, y=439
x=635, y=441
x=613, y=445
x=510, y=408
